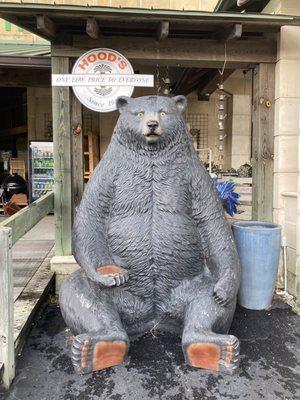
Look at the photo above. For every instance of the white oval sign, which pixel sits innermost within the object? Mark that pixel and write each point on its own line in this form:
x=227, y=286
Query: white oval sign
x=102, y=61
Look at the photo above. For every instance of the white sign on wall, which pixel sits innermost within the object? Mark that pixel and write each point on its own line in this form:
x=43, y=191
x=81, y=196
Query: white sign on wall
x=99, y=77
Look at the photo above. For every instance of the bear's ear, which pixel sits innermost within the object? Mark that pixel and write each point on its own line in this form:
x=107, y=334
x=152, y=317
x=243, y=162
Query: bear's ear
x=122, y=102
x=181, y=103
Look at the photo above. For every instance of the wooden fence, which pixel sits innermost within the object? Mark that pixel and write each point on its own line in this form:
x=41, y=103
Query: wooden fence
x=11, y=230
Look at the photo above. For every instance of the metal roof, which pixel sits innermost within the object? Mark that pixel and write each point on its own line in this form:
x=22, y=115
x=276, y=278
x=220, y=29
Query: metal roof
x=24, y=49
x=22, y=8
x=70, y=20
x=25, y=55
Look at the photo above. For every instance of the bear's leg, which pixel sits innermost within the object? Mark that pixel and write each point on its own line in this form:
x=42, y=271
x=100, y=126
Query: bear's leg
x=205, y=341
x=101, y=340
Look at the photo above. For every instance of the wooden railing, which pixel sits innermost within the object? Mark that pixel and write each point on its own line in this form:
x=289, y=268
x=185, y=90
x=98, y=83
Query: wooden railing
x=11, y=230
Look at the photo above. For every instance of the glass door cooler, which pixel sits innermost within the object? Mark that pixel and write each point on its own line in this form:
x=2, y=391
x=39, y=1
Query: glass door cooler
x=41, y=168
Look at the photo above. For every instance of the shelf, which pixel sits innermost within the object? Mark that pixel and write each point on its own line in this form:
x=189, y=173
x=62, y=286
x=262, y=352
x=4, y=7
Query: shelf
x=42, y=158
x=42, y=177
x=43, y=167
x=91, y=154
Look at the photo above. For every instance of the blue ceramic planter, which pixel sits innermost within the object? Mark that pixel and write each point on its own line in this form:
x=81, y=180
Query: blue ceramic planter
x=258, y=245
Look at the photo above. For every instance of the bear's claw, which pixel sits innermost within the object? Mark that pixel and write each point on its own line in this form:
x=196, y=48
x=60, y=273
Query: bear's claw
x=119, y=274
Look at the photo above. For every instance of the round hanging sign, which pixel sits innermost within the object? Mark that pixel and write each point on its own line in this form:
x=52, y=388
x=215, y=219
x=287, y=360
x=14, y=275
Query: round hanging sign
x=98, y=62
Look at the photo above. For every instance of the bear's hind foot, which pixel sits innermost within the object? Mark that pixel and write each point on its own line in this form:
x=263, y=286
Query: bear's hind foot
x=213, y=352
x=92, y=353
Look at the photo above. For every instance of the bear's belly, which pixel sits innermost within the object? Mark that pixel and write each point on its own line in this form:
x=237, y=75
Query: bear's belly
x=151, y=231
x=159, y=248
x=176, y=245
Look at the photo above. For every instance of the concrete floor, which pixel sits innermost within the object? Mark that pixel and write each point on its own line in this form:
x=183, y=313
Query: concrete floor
x=155, y=369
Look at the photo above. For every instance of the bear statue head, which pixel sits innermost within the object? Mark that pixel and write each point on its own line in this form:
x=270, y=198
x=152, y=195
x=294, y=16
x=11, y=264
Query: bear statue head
x=151, y=122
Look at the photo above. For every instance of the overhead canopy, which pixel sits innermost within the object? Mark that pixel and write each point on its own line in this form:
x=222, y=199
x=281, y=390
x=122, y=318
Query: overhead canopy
x=187, y=39
x=24, y=49
x=25, y=64
x=61, y=22
x=22, y=55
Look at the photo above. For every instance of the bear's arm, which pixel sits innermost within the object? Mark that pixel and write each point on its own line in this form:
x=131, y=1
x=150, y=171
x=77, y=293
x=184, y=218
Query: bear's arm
x=90, y=246
x=216, y=235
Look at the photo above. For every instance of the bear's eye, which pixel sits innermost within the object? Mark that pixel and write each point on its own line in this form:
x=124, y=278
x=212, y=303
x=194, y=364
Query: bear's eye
x=140, y=114
x=162, y=113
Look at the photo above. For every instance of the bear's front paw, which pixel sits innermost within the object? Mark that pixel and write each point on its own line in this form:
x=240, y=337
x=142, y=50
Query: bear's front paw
x=224, y=292
x=118, y=274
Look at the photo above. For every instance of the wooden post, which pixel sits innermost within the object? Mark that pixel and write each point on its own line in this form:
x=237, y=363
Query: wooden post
x=77, y=150
x=7, y=346
x=62, y=148
x=263, y=142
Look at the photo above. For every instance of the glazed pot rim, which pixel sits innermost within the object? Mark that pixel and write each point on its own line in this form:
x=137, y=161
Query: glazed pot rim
x=250, y=224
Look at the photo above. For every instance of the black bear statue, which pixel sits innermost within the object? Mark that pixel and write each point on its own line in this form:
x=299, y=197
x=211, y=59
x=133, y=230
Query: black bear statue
x=154, y=248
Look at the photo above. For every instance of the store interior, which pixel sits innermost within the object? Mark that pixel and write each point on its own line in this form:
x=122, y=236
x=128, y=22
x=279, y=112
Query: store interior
x=218, y=117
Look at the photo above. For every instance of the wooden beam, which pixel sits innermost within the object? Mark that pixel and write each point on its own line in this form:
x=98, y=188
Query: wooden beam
x=263, y=142
x=179, y=83
x=92, y=28
x=163, y=30
x=77, y=150
x=18, y=130
x=232, y=32
x=189, y=81
x=23, y=77
x=7, y=347
x=29, y=216
x=209, y=83
x=62, y=148
x=36, y=62
x=178, y=52
x=46, y=26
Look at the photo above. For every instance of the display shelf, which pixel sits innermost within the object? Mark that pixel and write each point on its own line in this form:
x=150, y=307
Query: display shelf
x=43, y=177
x=42, y=168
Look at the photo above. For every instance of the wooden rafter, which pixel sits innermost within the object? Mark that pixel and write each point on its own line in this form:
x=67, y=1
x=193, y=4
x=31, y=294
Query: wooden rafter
x=163, y=30
x=24, y=77
x=188, y=81
x=232, y=32
x=46, y=26
x=178, y=52
x=19, y=130
x=209, y=83
x=92, y=28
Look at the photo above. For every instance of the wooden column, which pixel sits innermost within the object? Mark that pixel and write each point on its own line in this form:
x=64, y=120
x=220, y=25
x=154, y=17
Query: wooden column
x=77, y=150
x=263, y=141
x=62, y=144
x=7, y=343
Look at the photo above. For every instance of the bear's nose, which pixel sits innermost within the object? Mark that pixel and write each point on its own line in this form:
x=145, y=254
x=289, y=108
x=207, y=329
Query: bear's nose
x=152, y=125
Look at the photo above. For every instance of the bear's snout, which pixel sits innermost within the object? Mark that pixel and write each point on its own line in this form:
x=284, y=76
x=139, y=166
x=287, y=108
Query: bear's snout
x=151, y=129
x=152, y=125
